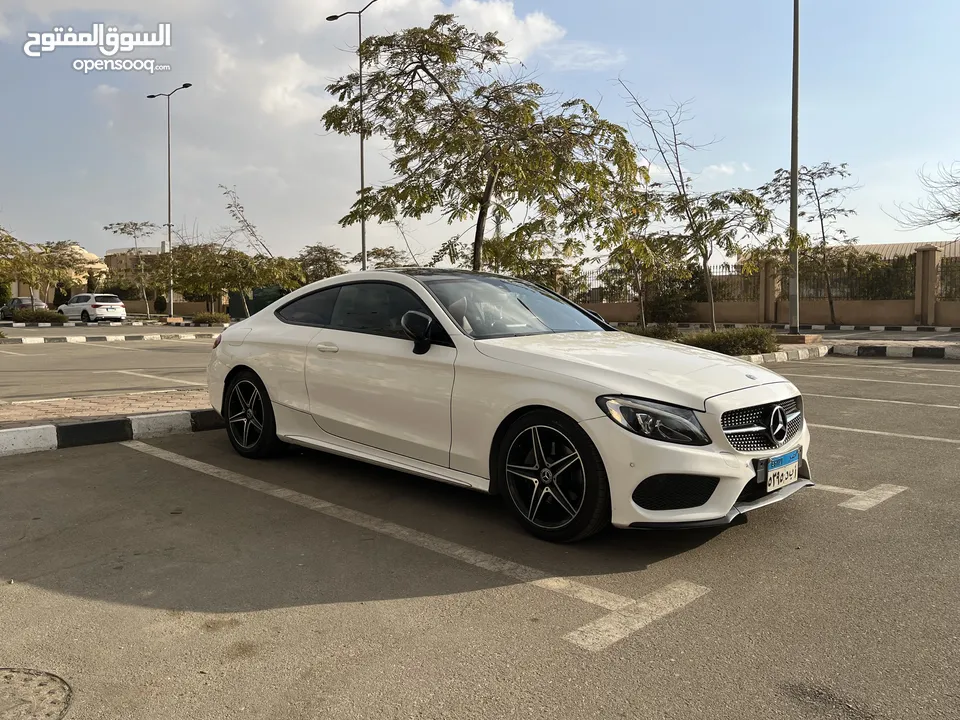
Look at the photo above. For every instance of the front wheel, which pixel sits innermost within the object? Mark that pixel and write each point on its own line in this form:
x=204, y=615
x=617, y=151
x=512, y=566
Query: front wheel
x=553, y=478
x=248, y=413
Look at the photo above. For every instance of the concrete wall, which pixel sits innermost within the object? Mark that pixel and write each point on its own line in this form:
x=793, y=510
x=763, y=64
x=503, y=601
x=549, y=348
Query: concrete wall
x=137, y=307
x=728, y=312
x=812, y=312
x=615, y=312
x=948, y=313
x=851, y=312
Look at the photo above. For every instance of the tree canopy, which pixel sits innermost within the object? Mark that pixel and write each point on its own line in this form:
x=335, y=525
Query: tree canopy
x=473, y=136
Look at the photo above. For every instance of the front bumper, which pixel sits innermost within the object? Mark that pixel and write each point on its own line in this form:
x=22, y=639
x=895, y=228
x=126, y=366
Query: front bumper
x=630, y=459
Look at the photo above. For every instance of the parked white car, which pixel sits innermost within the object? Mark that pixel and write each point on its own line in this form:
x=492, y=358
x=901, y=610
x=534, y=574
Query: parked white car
x=93, y=307
x=498, y=385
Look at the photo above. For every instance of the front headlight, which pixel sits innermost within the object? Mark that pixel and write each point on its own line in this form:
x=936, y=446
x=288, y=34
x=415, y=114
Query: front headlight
x=654, y=420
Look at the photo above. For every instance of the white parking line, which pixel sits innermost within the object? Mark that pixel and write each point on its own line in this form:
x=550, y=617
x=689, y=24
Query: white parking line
x=10, y=352
x=873, y=380
x=952, y=441
x=872, y=498
x=152, y=377
x=916, y=367
x=631, y=615
x=881, y=400
x=612, y=628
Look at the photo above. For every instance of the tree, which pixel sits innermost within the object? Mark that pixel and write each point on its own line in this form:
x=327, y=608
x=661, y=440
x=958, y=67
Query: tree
x=10, y=251
x=471, y=140
x=136, y=230
x=941, y=206
x=821, y=205
x=321, y=261
x=385, y=257
x=708, y=221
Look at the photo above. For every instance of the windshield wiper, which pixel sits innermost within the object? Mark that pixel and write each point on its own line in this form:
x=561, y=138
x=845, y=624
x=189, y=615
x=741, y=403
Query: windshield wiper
x=539, y=320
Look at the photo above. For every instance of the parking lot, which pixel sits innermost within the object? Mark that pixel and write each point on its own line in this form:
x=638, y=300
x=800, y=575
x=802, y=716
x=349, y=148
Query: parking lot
x=52, y=370
x=173, y=579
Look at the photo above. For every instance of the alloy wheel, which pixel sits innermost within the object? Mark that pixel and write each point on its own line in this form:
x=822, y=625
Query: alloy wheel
x=545, y=477
x=245, y=414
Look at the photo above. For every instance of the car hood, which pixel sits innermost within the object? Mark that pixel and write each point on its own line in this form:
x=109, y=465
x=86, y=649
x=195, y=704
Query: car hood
x=629, y=364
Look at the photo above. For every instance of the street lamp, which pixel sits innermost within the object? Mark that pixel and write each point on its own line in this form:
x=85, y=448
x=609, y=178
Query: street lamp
x=794, y=178
x=169, y=200
x=363, y=184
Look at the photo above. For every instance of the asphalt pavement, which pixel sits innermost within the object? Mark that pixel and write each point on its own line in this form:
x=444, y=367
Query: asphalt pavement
x=55, y=370
x=174, y=579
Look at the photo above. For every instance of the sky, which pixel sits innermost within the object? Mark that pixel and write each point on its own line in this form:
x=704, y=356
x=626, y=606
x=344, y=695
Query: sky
x=79, y=151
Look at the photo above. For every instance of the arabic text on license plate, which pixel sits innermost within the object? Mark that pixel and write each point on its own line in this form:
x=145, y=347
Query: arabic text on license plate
x=783, y=470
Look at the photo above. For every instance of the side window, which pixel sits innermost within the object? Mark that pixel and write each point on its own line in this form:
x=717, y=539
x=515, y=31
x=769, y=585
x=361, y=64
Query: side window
x=72, y=301
x=81, y=299
x=313, y=309
x=374, y=308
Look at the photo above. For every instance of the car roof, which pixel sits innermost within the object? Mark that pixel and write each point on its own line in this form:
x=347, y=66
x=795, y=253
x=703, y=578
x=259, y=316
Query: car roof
x=431, y=272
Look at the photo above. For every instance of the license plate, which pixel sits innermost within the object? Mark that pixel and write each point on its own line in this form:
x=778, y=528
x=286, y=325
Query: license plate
x=783, y=470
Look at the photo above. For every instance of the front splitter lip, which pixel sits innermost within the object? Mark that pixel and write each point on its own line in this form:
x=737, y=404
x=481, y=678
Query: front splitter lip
x=735, y=512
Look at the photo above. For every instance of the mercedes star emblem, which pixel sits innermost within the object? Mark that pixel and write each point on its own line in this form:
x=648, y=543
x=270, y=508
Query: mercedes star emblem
x=777, y=425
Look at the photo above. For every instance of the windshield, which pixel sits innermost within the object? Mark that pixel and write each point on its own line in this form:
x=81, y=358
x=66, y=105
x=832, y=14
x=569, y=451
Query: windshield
x=490, y=307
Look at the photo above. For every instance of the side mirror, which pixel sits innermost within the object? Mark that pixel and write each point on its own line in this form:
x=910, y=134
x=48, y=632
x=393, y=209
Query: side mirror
x=417, y=325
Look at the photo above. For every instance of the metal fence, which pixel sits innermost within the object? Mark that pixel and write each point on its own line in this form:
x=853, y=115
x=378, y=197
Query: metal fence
x=612, y=284
x=886, y=280
x=949, y=285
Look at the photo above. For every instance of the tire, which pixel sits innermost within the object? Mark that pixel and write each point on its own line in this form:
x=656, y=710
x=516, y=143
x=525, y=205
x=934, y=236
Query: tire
x=59, y=312
x=85, y=316
x=568, y=507
x=238, y=397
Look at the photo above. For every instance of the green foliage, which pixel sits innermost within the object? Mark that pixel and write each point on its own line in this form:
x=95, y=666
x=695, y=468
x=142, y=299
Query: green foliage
x=210, y=318
x=384, y=257
x=470, y=140
x=322, y=261
x=38, y=316
x=737, y=341
x=660, y=332
x=160, y=304
x=5, y=295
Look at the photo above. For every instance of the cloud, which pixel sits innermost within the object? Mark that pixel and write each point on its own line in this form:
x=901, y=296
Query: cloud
x=583, y=56
x=721, y=169
x=746, y=167
x=251, y=120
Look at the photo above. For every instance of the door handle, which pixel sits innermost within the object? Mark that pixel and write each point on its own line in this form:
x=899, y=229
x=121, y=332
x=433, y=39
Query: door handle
x=327, y=348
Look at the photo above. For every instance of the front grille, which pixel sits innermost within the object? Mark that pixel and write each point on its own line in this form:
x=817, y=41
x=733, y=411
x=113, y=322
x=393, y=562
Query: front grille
x=746, y=428
x=674, y=492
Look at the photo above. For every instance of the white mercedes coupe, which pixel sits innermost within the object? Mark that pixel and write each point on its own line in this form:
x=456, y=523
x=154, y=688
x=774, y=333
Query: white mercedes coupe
x=499, y=385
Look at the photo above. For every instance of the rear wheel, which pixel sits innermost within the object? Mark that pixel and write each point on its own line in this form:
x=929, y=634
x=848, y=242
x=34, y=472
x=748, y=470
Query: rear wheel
x=247, y=410
x=553, y=478
x=85, y=316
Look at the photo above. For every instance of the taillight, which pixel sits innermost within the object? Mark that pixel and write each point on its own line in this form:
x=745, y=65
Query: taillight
x=216, y=341
x=95, y=305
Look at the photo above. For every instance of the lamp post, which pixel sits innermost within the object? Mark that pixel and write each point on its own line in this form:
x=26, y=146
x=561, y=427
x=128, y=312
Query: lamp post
x=169, y=196
x=794, y=178
x=363, y=184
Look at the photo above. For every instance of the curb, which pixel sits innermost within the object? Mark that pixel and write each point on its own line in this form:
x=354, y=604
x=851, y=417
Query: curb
x=10, y=324
x=806, y=353
x=865, y=328
x=105, y=338
x=60, y=435
x=895, y=351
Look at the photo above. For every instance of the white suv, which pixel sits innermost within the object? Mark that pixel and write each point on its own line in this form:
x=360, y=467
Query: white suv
x=93, y=307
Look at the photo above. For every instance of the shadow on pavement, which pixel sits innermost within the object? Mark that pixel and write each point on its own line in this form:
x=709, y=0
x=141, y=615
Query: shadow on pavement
x=108, y=523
